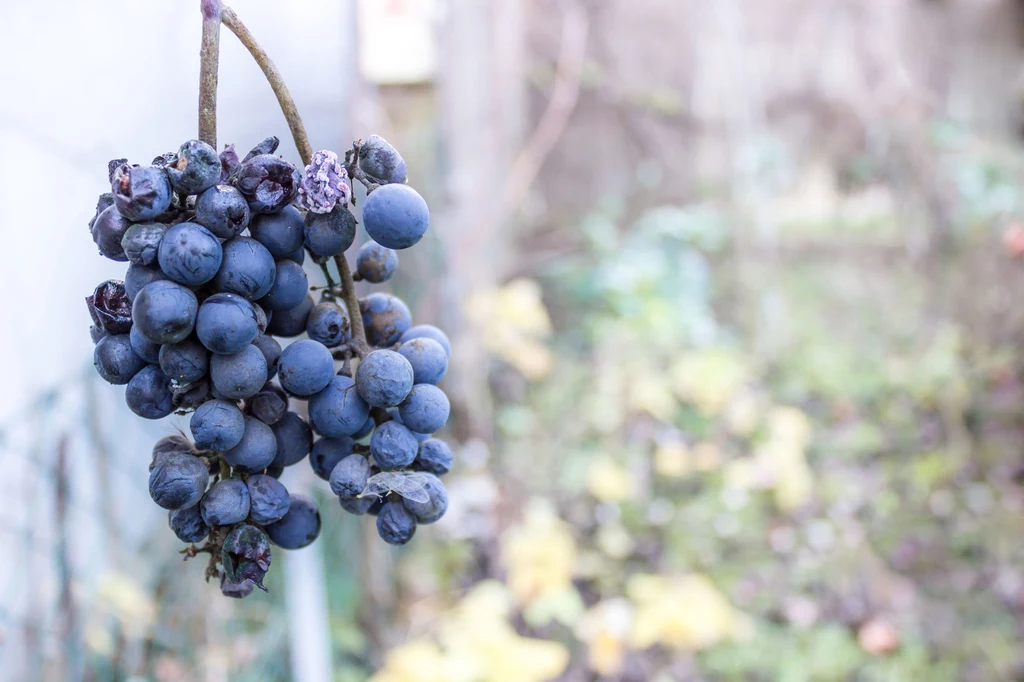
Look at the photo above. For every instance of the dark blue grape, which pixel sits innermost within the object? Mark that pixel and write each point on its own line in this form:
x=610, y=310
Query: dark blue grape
x=357, y=505
x=429, y=331
x=381, y=161
x=375, y=263
x=384, y=378
x=255, y=451
x=292, y=322
x=348, y=477
x=225, y=503
x=108, y=230
x=110, y=308
x=326, y=454
x=338, y=410
x=191, y=396
x=393, y=446
x=271, y=350
x=140, y=193
x=115, y=360
x=149, y=393
x=306, y=367
x=377, y=506
x=328, y=324
x=289, y=288
x=165, y=312
x=177, y=480
x=395, y=216
x=226, y=323
x=268, y=499
x=281, y=233
x=269, y=405
x=247, y=269
x=330, y=234
x=426, y=409
x=299, y=526
x=174, y=443
x=385, y=318
x=294, y=439
x=195, y=168
x=138, y=276
x=141, y=243
x=97, y=332
x=143, y=347
x=235, y=590
x=432, y=510
x=246, y=556
x=239, y=375
x=395, y=524
x=299, y=256
x=428, y=359
x=188, y=524
x=268, y=183
x=393, y=413
x=217, y=425
x=190, y=254
x=366, y=429
x=434, y=457
x=223, y=210
x=186, y=361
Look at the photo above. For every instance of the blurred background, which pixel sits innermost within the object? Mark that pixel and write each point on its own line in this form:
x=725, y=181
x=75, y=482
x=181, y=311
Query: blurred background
x=734, y=295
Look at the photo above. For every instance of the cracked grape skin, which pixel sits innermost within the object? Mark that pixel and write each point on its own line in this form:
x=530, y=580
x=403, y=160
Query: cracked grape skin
x=141, y=193
x=255, y=451
x=217, y=425
x=384, y=378
x=190, y=254
x=148, y=394
x=291, y=323
x=428, y=359
x=138, y=276
x=108, y=230
x=268, y=499
x=426, y=409
x=338, y=410
x=329, y=234
x=428, y=331
x=223, y=211
x=271, y=350
x=165, y=311
x=187, y=524
x=289, y=288
x=185, y=361
x=299, y=526
x=141, y=243
x=395, y=524
x=239, y=375
x=294, y=439
x=177, y=481
x=306, y=367
x=385, y=318
x=348, y=477
x=434, y=456
x=327, y=452
x=393, y=446
x=143, y=347
x=225, y=503
x=395, y=216
x=226, y=323
x=328, y=324
x=268, y=183
x=115, y=361
x=432, y=510
x=196, y=168
x=380, y=160
x=247, y=269
x=281, y=232
x=376, y=263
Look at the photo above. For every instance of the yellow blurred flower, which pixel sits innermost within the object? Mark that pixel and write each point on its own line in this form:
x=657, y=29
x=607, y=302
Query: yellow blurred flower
x=706, y=456
x=606, y=629
x=780, y=463
x=613, y=539
x=513, y=323
x=672, y=459
x=609, y=481
x=708, y=378
x=651, y=392
x=539, y=554
x=417, y=661
x=686, y=612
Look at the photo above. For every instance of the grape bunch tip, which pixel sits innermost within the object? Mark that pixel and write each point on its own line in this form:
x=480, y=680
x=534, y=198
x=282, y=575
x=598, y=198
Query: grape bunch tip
x=215, y=246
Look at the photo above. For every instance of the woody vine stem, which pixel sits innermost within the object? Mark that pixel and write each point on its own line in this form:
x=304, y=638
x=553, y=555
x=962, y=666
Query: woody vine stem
x=215, y=14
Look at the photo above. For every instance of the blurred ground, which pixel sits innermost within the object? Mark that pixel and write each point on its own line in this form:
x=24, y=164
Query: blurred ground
x=732, y=291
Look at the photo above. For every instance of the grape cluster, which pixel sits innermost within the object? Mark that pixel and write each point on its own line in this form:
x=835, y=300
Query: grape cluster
x=215, y=246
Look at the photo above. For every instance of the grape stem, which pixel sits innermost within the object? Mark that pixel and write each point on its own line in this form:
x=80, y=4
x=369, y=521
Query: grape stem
x=209, y=60
x=284, y=97
x=348, y=292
